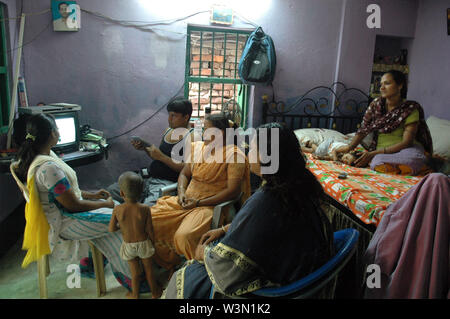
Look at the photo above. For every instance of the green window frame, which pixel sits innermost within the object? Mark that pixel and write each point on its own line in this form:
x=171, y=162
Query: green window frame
x=4, y=72
x=211, y=57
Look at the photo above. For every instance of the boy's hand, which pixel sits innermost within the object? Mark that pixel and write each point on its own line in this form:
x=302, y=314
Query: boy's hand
x=154, y=152
x=138, y=145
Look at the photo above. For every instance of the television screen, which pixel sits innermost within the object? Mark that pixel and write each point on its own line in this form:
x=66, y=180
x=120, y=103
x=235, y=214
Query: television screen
x=68, y=128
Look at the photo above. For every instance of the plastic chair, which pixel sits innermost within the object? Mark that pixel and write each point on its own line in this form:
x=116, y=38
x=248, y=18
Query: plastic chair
x=223, y=212
x=345, y=243
x=43, y=264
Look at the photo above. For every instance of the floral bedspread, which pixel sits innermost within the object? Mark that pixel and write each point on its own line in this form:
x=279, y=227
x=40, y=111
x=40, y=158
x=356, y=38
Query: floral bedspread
x=365, y=192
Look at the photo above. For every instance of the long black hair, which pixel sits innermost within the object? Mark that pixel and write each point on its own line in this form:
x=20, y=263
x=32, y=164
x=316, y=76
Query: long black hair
x=296, y=188
x=39, y=127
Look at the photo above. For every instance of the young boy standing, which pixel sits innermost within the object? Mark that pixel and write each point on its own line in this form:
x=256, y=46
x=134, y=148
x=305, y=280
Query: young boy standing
x=135, y=221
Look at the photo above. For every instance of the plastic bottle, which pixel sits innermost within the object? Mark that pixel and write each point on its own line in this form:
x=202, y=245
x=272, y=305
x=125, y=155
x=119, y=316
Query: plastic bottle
x=198, y=130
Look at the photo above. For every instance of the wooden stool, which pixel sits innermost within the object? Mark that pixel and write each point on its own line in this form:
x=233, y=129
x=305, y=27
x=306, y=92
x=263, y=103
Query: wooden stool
x=44, y=270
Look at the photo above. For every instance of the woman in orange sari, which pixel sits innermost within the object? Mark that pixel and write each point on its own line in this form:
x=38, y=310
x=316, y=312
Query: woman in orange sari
x=217, y=172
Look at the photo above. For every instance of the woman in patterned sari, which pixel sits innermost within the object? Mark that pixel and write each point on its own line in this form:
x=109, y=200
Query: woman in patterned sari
x=216, y=172
x=401, y=138
x=278, y=236
x=61, y=218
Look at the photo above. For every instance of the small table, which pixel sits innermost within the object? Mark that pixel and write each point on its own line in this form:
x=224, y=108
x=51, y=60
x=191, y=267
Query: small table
x=73, y=159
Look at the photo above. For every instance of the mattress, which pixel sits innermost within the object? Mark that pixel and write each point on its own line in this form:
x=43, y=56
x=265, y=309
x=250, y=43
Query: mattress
x=366, y=193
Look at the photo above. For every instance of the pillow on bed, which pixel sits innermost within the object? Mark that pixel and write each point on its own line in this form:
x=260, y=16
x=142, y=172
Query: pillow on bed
x=318, y=135
x=440, y=132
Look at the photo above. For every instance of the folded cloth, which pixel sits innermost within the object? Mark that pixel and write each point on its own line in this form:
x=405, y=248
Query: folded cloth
x=411, y=243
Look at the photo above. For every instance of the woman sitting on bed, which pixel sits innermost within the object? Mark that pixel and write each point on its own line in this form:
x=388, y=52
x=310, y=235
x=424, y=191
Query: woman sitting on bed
x=401, y=138
x=279, y=235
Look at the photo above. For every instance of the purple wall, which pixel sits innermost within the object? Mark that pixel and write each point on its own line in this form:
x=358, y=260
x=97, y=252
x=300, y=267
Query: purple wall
x=429, y=57
x=358, y=41
x=121, y=75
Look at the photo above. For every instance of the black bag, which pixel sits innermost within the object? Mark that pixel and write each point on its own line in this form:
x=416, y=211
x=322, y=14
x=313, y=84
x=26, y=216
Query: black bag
x=258, y=60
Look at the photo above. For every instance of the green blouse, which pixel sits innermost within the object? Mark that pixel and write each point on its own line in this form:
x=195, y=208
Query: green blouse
x=396, y=136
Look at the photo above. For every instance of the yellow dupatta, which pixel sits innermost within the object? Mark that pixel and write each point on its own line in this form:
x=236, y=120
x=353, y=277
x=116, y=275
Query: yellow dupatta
x=37, y=227
x=35, y=239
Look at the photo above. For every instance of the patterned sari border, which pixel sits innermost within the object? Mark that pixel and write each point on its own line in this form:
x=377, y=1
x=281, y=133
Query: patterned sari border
x=236, y=256
x=241, y=261
x=180, y=283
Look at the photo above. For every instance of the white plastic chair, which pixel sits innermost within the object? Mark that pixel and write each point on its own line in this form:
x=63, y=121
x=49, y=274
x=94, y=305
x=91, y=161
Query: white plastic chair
x=43, y=264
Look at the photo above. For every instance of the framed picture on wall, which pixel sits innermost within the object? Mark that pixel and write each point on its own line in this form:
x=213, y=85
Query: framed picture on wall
x=66, y=15
x=221, y=15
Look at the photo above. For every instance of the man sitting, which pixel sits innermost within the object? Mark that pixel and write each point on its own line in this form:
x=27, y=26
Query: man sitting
x=163, y=170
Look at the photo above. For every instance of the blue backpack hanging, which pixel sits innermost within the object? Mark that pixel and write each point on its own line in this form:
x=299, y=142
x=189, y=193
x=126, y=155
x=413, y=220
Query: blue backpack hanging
x=258, y=60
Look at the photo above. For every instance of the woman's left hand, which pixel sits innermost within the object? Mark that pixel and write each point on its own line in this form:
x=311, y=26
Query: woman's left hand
x=364, y=159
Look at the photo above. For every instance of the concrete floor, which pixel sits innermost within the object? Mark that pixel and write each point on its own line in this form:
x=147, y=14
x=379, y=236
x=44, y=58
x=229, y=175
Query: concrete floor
x=19, y=283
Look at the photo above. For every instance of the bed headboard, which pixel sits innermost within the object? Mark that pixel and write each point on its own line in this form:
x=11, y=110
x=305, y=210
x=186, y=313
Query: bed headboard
x=336, y=107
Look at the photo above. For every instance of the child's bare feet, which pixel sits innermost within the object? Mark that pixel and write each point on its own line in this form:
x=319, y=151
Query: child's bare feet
x=130, y=295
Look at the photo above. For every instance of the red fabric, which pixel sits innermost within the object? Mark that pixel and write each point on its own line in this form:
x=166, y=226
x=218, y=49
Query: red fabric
x=411, y=243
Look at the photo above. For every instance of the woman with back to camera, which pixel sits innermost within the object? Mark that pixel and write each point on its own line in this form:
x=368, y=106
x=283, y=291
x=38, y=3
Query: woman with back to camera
x=54, y=220
x=401, y=139
x=280, y=234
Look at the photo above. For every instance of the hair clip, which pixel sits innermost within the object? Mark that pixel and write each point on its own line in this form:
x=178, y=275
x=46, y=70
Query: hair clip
x=29, y=136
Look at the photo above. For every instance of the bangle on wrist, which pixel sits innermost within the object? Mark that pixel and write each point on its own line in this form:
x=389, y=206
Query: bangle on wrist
x=223, y=228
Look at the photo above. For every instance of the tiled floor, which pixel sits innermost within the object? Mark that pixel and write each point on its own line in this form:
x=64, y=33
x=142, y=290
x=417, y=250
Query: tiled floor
x=19, y=283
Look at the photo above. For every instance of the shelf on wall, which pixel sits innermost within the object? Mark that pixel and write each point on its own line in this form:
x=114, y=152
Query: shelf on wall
x=379, y=67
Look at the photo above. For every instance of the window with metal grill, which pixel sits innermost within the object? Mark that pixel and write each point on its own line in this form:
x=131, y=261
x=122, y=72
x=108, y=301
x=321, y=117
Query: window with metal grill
x=211, y=77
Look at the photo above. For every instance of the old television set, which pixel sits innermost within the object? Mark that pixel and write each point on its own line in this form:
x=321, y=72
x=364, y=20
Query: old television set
x=69, y=131
x=66, y=118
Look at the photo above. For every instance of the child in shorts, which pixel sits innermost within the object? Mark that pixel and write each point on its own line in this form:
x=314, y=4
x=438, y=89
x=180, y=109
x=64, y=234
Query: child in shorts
x=135, y=221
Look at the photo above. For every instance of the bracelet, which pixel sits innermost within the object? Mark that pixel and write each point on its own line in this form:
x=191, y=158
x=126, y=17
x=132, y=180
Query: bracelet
x=223, y=228
x=196, y=203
